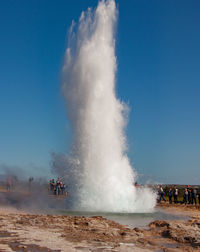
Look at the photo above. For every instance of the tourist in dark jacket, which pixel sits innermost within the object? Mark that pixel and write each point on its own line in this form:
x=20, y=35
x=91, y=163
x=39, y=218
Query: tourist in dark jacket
x=190, y=196
x=170, y=194
x=194, y=196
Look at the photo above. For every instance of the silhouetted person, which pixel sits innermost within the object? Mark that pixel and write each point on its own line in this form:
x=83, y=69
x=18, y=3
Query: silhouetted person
x=9, y=183
x=190, y=196
x=30, y=182
x=170, y=194
x=58, y=186
x=194, y=196
x=51, y=185
x=62, y=187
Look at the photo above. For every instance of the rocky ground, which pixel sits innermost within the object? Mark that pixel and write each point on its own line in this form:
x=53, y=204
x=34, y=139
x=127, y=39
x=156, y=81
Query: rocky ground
x=49, y=233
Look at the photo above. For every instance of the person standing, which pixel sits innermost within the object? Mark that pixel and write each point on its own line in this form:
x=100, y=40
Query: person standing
x=190, y=196
x=58, y=186
x=175, y=192
x=185, y=196
x=30, y=180
x=162, y=194
x=9, y=183
x=170, y=193
x=194, y=196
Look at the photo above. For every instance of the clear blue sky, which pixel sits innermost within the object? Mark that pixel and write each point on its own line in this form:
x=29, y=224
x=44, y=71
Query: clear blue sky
x=158, y=52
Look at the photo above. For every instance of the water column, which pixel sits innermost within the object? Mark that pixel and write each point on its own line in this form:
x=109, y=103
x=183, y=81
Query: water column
x=103, y=179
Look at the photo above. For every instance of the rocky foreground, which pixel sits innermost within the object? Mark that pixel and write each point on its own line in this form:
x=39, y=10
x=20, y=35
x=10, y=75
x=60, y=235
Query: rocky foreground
x=32, y=233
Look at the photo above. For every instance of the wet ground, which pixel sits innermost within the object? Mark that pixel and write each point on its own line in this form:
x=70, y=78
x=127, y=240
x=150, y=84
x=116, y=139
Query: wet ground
x=131, y=219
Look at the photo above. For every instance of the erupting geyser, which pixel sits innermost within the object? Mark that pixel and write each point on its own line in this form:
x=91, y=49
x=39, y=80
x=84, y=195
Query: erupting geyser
x=98, y=167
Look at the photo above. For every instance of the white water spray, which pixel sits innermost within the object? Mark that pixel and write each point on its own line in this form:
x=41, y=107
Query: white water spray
x=100, y=171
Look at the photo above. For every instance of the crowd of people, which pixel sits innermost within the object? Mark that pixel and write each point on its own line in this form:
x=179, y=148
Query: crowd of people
x=57, y=187
x=190, y=195
x=173, y=194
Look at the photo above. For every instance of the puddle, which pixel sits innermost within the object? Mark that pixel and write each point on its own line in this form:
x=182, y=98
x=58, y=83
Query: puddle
x=132, y=220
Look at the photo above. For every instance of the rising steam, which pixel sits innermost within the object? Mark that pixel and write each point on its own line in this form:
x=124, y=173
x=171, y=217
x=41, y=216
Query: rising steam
x=98, y=167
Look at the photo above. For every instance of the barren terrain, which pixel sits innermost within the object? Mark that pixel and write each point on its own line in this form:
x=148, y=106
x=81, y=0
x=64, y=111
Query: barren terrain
x=20, y=231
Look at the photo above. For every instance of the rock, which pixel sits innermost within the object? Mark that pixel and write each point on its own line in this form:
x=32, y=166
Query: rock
x=159, y=223
x=138, y=230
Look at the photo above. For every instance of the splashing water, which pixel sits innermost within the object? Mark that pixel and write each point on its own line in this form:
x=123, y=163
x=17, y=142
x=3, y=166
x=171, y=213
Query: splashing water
x=98, y=168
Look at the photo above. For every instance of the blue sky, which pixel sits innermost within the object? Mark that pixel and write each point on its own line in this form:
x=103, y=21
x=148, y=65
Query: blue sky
x=158, y=55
